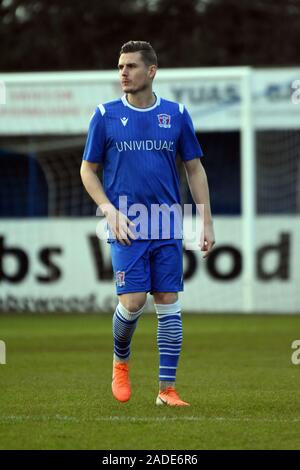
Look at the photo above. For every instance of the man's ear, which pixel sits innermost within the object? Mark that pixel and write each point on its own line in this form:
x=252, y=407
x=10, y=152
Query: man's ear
x=152, y=71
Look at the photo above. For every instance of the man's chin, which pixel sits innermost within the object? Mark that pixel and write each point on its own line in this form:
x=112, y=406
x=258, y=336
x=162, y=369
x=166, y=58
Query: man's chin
x=133, y=91
x=127, y=89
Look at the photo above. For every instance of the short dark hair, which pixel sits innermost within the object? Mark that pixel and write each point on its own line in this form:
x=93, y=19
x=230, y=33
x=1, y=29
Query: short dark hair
x=147, y=52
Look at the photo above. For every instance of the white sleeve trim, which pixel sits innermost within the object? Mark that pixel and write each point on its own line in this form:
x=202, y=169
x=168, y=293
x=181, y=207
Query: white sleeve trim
x=102, y=109
x=181, y=107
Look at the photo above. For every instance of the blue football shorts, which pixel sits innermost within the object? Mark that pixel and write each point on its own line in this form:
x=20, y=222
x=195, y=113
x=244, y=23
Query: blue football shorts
x=148, y=266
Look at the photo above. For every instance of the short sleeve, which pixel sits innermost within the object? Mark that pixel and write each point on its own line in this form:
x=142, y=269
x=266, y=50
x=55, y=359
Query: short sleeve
x=188, y=145
x=95, y=144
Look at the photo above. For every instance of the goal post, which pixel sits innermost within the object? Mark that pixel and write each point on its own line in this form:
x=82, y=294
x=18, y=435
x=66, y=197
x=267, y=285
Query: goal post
x=248, y=193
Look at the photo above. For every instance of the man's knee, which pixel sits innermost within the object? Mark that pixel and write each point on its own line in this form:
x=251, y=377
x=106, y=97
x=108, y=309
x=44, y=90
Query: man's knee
x=133, y=302
x=165, y=297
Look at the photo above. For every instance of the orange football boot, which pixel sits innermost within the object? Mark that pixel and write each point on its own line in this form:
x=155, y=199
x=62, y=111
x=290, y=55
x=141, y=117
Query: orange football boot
x=120, y=381
x=170, y=397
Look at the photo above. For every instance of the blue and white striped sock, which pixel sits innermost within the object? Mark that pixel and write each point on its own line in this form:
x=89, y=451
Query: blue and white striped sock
x=124, y=324
x=169, y=339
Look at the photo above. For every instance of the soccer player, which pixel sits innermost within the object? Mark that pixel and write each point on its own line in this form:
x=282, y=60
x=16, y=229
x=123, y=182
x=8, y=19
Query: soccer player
x=136, y=139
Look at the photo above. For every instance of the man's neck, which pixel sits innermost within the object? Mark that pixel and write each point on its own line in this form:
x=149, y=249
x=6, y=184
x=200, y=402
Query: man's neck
x=141, y=100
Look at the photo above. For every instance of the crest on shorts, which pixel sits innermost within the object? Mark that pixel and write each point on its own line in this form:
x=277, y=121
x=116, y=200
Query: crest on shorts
x=120, y=278
x=164, y=120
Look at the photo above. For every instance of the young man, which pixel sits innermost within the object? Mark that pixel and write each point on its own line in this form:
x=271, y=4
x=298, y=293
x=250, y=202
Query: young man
x=136, y=139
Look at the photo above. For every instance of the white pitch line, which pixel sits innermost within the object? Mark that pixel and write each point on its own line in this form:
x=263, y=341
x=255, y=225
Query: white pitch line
x=74, y=419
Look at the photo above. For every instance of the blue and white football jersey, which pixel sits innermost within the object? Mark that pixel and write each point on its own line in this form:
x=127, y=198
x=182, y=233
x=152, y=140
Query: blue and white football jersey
x=137, y=148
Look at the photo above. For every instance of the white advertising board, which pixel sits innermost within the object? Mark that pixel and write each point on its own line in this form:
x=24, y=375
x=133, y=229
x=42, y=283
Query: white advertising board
x=61, y=265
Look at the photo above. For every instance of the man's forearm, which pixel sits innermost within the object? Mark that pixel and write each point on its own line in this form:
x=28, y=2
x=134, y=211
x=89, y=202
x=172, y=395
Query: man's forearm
x=95, y=189
x=200, y=192
x=118, y=222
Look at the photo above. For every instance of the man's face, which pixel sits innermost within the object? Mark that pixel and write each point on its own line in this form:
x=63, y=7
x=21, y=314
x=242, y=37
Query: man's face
x=135, y=75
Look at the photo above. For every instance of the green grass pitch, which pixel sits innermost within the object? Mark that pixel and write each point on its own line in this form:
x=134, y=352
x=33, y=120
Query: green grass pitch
x=235, y=370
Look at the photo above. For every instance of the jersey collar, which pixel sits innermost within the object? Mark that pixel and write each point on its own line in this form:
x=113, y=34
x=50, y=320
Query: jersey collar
x=142, y=110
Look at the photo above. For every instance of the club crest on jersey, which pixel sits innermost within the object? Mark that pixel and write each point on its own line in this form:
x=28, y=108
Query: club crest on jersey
x=164, y=120
x=120, y=278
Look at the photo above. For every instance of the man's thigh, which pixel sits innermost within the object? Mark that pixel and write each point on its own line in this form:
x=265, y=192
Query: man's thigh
x=131, y=266
x=166, y=262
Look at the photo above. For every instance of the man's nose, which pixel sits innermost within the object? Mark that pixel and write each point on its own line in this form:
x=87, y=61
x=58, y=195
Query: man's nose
x=124, y=71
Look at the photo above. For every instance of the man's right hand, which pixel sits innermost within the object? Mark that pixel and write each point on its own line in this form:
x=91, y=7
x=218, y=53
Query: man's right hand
x=118, y=223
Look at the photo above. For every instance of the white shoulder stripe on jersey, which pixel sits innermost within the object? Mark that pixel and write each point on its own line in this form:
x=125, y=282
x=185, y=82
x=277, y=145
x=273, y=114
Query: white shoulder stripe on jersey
x=102, y=109
x=181, y=107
